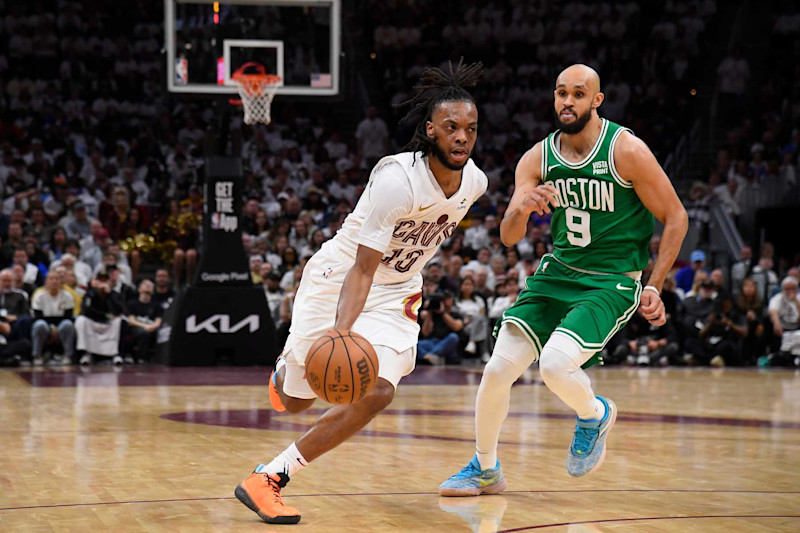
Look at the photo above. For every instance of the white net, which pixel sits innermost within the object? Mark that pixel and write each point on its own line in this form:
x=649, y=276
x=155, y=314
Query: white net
x=257, y=93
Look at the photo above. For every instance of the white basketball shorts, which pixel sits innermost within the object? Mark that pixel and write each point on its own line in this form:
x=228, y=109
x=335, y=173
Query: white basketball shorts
x=388, y=321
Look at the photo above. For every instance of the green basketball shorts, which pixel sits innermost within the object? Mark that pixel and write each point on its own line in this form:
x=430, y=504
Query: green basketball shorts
x=589, y=307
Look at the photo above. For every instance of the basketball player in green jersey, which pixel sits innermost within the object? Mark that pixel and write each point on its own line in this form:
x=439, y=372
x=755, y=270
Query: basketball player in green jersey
x=603, y=186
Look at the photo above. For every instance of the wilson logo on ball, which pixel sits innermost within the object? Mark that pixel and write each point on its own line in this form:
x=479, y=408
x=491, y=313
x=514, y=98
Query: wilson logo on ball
x=363, y=375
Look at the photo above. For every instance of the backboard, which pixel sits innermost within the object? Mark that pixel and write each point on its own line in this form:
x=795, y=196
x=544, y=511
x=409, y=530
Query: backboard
x=299, y=40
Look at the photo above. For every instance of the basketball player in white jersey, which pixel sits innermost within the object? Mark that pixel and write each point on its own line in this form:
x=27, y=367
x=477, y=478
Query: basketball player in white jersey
x=368, y=277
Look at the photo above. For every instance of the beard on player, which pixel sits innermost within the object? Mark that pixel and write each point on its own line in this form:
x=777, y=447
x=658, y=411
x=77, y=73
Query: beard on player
x=443, y=154
x=574, y=127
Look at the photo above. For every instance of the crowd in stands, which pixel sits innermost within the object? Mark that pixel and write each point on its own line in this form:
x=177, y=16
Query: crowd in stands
x=755, y=315
x=758, y=160
x=86, y=197
x=648, y=54
x=744, y=315
x=101, y=173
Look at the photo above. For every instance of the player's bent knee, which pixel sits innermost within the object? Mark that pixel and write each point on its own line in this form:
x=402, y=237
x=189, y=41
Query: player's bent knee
x=550, y=369
x=557, y=362
x=498, y=371
x=380, y=396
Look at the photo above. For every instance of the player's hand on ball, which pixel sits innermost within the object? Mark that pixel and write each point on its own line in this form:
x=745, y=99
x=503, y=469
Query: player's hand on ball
x=539, y=197
x=652, y=308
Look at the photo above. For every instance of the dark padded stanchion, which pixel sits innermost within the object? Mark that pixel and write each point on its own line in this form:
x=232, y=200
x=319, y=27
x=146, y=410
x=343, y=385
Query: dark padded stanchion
x=222, y=317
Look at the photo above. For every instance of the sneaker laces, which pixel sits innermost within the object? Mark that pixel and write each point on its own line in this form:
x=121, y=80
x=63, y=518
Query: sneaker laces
x=467, y=471
x=275, y=486
x=584, y=439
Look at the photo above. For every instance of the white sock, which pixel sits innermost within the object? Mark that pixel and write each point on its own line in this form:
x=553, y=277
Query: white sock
x=487, y=460
x=562, y=373
x=598, y=409
x=512, y=354
x=289, y=461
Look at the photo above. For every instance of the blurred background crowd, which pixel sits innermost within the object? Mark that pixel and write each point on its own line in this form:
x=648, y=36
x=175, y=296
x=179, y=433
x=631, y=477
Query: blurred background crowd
x=101, y=168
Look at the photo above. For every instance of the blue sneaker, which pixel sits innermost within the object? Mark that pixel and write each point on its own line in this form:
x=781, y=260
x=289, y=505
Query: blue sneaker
x=588, y=448
x=472, y=481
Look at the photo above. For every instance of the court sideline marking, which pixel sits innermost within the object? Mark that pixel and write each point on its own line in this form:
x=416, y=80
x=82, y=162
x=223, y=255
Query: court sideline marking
x=611, y=520
x=360, y=494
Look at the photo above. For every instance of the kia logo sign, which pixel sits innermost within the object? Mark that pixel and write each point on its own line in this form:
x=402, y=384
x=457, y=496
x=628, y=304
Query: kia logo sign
x=222, y=324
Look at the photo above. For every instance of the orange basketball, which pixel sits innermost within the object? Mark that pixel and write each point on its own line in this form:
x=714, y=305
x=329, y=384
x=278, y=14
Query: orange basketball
x=341, y=367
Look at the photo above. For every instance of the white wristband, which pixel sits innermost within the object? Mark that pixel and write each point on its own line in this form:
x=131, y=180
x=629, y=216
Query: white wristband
x=651, y=288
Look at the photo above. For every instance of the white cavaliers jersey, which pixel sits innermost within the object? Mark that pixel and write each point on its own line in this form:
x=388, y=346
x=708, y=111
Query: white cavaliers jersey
x=418, y=232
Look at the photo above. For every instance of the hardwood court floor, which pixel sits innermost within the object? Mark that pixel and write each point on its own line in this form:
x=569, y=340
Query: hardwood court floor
x=160, y=449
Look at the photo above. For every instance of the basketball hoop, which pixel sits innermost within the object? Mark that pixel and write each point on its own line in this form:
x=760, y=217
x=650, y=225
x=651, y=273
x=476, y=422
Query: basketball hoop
x=256, y=90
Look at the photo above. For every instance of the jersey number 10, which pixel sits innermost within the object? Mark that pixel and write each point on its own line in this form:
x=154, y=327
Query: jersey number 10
x=403, y=265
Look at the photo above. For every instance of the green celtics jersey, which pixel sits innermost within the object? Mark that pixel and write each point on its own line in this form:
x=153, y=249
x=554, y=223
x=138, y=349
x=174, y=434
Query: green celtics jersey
x=600, y=224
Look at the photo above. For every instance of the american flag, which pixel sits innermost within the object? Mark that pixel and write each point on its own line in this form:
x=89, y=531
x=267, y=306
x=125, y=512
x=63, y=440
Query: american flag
x=321, y=80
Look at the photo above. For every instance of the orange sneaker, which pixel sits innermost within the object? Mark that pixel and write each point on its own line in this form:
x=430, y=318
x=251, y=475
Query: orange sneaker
x=261, y=492
x=274, y=397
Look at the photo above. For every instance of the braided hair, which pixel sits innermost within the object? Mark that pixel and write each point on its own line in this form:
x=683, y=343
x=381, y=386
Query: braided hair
x=434, y=87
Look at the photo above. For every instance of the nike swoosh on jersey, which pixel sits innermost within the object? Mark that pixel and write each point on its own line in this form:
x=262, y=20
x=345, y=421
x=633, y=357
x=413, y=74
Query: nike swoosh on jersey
x=551, y=167
x=622, y=288
x=426, y=207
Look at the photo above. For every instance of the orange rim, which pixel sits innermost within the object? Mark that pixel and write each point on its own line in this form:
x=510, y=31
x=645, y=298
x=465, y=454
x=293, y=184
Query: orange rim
x=269, y=79
x=254, y=84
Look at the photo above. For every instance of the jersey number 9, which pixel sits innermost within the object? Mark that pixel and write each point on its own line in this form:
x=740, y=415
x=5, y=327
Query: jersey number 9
x=578, y=226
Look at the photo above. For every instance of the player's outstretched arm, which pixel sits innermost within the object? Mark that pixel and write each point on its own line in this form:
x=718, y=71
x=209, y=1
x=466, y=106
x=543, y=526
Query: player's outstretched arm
x=528, y=197
x=636, y=163
x=356, y=287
